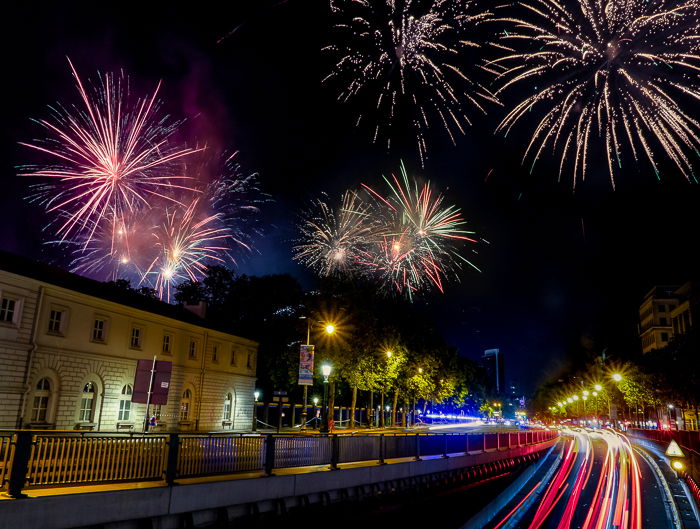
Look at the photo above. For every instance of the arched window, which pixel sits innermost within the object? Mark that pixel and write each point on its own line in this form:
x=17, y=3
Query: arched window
x=125, y=403
x=87, y=403
x=40, y=405
x=228, y=402
x=185, y=402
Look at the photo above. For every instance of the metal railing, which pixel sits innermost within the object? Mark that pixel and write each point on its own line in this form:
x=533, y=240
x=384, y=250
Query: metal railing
x=78, y=459
x=200, y=455
x=31, y=459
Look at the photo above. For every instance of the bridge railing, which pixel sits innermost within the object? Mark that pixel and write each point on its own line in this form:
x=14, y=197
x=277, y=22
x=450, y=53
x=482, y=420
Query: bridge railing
x=32, y=459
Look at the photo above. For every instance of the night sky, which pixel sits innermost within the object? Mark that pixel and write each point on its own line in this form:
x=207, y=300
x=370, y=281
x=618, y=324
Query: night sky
x=563, y=272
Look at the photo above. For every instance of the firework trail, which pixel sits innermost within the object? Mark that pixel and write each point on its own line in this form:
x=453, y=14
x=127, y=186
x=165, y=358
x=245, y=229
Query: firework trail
x=402, y=56
x=185, y=242
x=236, y=197
x=332, y=238
x=176, y=238
x=604, y=74
x=110, y=157
x=420, y=237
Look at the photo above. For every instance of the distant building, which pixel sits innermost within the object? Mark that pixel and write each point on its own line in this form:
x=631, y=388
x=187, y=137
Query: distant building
x=492, y=361
x=655, y=317
x=665, y=312
x=69, y=348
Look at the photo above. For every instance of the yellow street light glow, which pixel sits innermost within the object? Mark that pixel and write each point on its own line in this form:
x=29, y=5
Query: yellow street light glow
x=569, y=400
x=585, y=393
x=677, y=465
x=389, y=353
x=420, y=369
x=585, y=397
x=560, y=404
x=330, y=328
x=598, y=387
x=575, y=397
x=595, y=393
x=617, y=377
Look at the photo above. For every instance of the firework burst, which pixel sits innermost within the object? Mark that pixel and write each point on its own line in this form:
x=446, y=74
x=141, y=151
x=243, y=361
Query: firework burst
x=604, y=73
x=185, y=242
x=402, y=55
x=332, y=239
x=110, y=157
x=420, y=237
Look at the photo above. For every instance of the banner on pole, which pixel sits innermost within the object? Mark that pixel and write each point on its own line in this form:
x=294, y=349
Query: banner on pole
x=161, y=382
x=306, y=365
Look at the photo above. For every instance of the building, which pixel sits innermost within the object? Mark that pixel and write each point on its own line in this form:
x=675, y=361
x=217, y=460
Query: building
x=493, y=364
x=655, y=317
x=682, y=316
x=666, y=311
x=69, y=347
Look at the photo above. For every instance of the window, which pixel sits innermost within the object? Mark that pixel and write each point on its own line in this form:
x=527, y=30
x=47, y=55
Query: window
x=55, y=320
x=98, y=330
x=192, y=350
x=40, y=405
x=663, y=322
x=185, y=405
x=664, y=337
x=215, y=353
x=233, y=356
x=136, y=334
x=167, y=343
x=87, y=403
x=227, y=407
x=662, y=308
x=8, y=307
x=249, y=363
x=125, y=403
x=156, y=412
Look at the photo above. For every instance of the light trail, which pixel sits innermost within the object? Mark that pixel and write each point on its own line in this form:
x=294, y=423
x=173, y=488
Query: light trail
x=577, y=496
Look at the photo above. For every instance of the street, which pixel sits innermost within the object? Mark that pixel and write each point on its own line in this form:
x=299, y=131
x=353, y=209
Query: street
x=591, y=480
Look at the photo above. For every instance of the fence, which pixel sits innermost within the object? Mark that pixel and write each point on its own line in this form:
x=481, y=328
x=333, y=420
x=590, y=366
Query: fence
x=689, y=441
x=30, y=459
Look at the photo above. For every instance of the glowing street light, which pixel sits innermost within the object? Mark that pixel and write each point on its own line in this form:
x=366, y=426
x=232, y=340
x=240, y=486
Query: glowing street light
x=617, y=377
x=326, y=371
x=256, y=394
x=330, y=328
x=598, y=387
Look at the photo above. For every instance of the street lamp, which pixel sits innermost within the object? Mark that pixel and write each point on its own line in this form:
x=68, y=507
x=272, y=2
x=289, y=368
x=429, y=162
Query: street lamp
x=256, y=394
x=326, y=371
x=329, y=329
x=382, y=421
x=617, y=377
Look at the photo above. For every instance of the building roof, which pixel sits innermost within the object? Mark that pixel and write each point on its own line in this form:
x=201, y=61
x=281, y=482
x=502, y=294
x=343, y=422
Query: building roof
x=59, y=277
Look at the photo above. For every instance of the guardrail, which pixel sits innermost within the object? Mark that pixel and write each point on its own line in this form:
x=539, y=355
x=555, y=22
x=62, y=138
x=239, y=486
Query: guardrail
x=687, y=440
x=31, y=459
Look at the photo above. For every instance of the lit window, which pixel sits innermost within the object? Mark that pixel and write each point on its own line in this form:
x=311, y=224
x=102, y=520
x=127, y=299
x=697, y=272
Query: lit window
x=7, y=309
x=233, y=357
x=193, y=350
x=227, y=406
x=55, y=319
x=125, y=403
x=98, y=330
x=136, y=337
x=87, y=403
x=185, y=405
x=215, y=353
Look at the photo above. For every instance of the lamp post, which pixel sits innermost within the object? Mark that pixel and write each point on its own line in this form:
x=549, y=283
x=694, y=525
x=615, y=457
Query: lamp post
x=326, y=370
x=382, y=421
x=256, y=394
x=329, y=329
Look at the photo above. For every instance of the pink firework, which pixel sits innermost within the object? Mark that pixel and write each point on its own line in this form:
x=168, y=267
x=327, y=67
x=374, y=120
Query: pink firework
x=110, y=156
x=186, y=241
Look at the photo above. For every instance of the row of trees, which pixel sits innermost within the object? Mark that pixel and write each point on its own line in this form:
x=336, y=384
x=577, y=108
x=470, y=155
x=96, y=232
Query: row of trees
x=646, y=388
x=381, y=346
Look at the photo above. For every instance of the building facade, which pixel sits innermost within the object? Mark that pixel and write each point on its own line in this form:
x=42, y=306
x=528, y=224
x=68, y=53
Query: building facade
x=68, y=355
x=655, y=317
x=666, y=311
